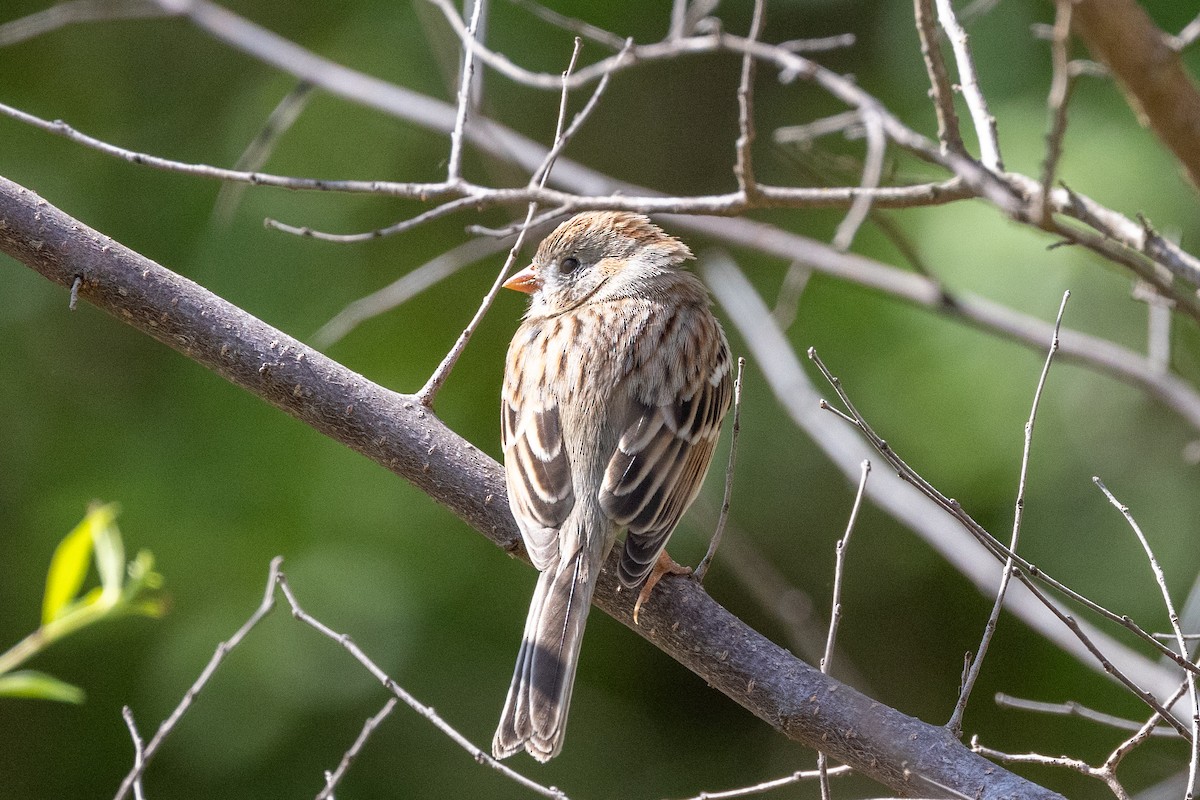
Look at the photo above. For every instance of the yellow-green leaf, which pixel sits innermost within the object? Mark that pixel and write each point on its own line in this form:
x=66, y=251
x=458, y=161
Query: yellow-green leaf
x=68, y=568
x=39, y=686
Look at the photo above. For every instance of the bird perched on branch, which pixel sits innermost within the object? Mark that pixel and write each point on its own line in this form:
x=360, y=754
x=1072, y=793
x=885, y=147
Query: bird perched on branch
x=615, y=387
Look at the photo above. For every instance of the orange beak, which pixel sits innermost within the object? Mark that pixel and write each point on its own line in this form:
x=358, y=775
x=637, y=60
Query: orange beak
x=526, y=281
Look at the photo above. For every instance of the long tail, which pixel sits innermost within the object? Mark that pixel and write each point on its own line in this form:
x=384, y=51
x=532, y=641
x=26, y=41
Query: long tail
x=535, y=713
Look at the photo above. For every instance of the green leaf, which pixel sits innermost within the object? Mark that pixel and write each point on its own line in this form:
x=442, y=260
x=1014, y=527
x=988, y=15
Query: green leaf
x=68, y=568
x=39, y=686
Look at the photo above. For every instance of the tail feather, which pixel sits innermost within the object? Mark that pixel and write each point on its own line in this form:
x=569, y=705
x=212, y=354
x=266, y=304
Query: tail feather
x=535, y=713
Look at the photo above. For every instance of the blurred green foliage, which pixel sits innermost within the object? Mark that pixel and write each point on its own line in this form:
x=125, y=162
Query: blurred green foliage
x=124, y=589
x=216, y=483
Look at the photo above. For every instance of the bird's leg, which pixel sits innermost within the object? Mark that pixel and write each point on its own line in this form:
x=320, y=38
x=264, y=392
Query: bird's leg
x=662, y=566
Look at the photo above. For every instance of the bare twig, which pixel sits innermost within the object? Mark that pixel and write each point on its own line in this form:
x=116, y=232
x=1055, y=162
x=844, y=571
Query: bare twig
x=954, y=725
x=1189, y=677
x=1025, y=572
x=404, y=288
x=430, y=389
x=1106, y=772
x=138, y=752
x=1056, y=101
x=872, y=173
x=985, y=123
x=835, y=615
x=715, y=541
x=1074, y=709
x=1064, y=762
x=344, y=641
x=437, y=212
x=577, y=26
x=454, y=163
x=776, y=783
x=896, y=494
x=281, y=118
x=743, y=168
x=61, y=15
x=223, y=650
x=939, y=79
x=332, y=779
x=1148, y=728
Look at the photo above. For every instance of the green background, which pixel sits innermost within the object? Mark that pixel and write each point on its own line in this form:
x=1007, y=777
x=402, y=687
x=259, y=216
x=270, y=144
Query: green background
x=215, y=482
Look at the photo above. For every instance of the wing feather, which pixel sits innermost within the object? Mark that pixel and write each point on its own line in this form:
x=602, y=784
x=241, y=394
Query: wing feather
x=668, y=440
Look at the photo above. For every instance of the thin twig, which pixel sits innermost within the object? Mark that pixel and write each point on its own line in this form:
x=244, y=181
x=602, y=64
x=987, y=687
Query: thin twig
x=1027, y=572
x=332, y=779
x=437, y=212
x=985, y=123
x=454, y=163
x=702, y=568
x=835, y=616
x=939, y=78
x=1074, y=709
x=347, y=644
x=1056, y=101
x=1173, y=616
x=1024, y=571
x=954, y=725
x=872, y=173
x=280, y=120
x=61, y=15
x=218, y=656
x=743, y=168
x=577, y=26
x=1073, y=764
x=1149, y=728
x=429, y=391
x=138, y=753
x=776, y=783
x=404, y=288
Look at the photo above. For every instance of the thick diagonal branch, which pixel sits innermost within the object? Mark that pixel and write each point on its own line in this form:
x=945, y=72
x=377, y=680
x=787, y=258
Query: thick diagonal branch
x=1121, y=34
x=397, y=432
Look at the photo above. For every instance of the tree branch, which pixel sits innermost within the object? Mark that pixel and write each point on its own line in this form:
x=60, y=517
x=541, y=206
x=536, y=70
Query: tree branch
x=396, y=431
x=1121, y=35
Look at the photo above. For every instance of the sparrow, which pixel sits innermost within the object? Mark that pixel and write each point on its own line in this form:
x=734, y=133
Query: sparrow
x=615, y=387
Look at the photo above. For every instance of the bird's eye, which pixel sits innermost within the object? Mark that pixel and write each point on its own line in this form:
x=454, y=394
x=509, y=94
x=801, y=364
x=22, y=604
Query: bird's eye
x=568, y=265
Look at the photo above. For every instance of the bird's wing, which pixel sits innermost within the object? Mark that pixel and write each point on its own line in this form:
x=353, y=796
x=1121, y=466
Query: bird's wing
x=536, y=467
x=667, y=443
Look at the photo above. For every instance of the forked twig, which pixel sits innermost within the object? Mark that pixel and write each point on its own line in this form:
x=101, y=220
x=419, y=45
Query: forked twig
x=954, y=725
x=138, y=751
x=1023, y=570
x=429, y=391
x=218, y=656
x=939, y=78
x=345, y=642
x=743, y=168
x=454, y=163
x=985, y=123
x=835, y=616
x=1173, y=616
x=1056, y=101
x=332, y=779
